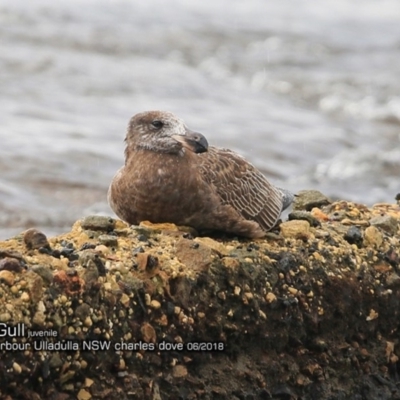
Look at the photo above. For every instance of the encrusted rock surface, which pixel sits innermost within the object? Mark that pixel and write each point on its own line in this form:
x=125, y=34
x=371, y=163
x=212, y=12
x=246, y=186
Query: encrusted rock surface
x=310, y=312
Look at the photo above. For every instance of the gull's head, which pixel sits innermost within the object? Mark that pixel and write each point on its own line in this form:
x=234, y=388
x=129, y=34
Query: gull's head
x=163, y=132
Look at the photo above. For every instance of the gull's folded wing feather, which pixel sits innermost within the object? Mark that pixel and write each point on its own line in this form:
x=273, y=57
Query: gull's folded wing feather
x=241, y=186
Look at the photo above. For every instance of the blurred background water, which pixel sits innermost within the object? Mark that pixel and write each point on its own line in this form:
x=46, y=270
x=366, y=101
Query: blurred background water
x=307, y=91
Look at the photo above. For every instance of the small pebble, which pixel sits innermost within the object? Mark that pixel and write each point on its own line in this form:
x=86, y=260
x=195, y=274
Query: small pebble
x=108, y=240
x=373, y=237
x=262, y=314
x=221, y=295
x=39, y=318
x=305, y=216
x=25, y=297
x=354, y=236
x=155, y=304
x=295, y=229
x=148, y=333
x=293, y=290
x=10, y=264
x=101, y=248
x=122, y=364
x=249, y=295
x=308, y=199
x=34, y=239
x=98, y=223
x=386, y=222
x=5, y=317
x=125, y=300
x=147, y=299
x=179, y=371
x=84, y=395
x=17, y=368
x=270, y=297
x=7, y=277
x=372, y=315
x=63, y=299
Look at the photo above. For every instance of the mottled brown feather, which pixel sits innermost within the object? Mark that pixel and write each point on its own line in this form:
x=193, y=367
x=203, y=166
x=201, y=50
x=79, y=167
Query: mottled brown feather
x=240, y=185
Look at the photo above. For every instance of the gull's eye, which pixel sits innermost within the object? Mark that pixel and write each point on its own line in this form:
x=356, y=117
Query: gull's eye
x=157, y=124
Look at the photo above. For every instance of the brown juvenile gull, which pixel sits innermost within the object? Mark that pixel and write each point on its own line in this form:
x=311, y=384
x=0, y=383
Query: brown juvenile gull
x=172, y=175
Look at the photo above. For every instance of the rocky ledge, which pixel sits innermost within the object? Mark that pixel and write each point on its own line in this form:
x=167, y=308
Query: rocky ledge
x=109, y=311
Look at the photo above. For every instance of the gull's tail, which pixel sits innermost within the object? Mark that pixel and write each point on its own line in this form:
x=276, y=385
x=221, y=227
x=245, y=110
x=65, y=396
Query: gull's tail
x=287, y=198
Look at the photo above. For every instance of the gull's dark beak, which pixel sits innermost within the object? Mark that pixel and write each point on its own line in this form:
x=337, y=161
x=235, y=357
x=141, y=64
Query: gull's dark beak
x=193, y=141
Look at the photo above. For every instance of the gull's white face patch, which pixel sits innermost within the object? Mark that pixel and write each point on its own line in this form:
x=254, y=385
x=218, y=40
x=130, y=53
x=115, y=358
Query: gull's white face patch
x=172, y=125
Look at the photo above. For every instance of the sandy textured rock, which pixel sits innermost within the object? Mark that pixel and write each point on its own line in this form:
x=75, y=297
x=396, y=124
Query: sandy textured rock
x=387, y=223
x=309, y=312
x=296, y=229
x=308, y=199
x=373, y=237
x=8, y=277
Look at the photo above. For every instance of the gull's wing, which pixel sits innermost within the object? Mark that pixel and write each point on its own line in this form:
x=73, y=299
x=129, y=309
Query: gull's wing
x=240, y=185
